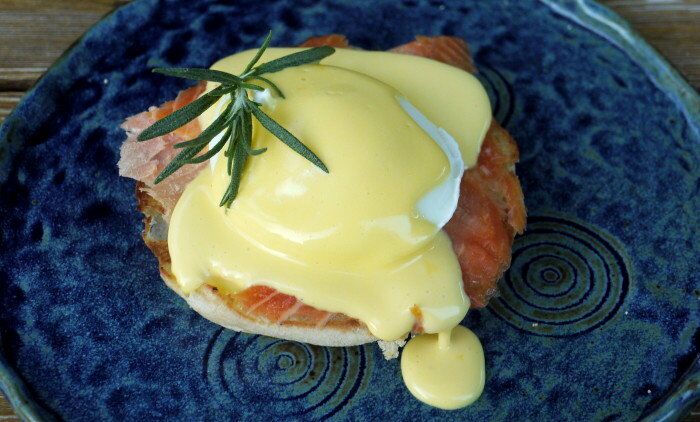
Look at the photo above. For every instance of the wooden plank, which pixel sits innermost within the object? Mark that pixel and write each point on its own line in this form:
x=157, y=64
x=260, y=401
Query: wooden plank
x=19, y=79
x=8, y=101
x=670, y=26
x=6, y=413
x=35, y=33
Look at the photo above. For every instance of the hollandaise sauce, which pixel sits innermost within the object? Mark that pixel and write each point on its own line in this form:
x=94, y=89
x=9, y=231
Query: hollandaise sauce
x=396, y=133
x=445, y=370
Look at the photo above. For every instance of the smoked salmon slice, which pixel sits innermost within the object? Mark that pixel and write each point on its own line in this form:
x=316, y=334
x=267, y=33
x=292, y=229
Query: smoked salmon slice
x=143, y=161
x=185, y=97
x=490, y=211
x=450, y=50
x=330, y=40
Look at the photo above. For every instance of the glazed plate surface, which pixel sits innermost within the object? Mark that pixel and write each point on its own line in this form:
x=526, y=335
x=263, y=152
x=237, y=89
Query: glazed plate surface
x=597, y=319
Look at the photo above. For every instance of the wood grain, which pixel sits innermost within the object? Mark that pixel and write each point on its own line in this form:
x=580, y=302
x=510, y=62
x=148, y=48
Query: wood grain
x=34, y=33
x=6, y=413
x=8, y=101
x=670, y=26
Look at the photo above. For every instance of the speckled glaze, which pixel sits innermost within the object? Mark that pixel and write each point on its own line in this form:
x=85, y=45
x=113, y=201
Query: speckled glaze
x=597, y=319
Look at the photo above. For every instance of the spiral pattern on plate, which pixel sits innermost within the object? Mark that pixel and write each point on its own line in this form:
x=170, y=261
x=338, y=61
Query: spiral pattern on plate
x=289, y=378
x=500, y=92
x=566, y=278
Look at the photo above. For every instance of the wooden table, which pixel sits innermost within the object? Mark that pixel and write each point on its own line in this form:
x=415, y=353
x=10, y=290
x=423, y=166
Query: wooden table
x=33, y=33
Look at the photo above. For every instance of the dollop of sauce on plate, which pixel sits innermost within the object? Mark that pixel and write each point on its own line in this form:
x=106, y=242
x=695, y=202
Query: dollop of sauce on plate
x=444, y=370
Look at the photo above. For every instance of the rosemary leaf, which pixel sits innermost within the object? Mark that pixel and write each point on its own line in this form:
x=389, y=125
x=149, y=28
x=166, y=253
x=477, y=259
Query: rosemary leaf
x=250, y=151
x=210, y=132
x=239, y=160
x=212, y=152
x=311, y=55
x=200, y=74
x=285, y=136
x=246, y=125
x=260, y=52
x=179, y=161
x=272, y=85
x=248, y=135
x=235, y=134
x=251, y=86
x=180, y=117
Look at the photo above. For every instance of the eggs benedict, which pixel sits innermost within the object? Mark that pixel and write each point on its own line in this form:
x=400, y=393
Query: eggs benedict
x=407, y=223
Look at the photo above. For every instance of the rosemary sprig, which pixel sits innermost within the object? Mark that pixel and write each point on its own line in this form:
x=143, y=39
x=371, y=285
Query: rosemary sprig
x=235, y=123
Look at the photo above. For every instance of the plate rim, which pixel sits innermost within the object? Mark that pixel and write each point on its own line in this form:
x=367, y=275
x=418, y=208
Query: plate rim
x=602, y=22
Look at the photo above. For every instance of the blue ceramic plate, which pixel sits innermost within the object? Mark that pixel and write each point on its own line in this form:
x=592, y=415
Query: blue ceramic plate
x=597, y=318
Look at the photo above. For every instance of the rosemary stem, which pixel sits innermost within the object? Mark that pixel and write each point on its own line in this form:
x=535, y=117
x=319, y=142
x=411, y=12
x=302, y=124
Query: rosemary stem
x=236, y=119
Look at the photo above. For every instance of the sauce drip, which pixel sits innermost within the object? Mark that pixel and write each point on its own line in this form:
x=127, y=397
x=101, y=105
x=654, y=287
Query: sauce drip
x=444, y=370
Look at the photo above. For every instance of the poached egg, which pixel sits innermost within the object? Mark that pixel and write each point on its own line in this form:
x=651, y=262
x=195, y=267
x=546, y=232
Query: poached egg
x=396, y=133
